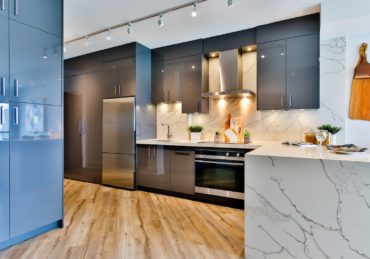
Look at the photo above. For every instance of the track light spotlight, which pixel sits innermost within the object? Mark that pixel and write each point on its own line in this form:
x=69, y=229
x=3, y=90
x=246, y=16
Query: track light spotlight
x=230, y=3
x=129, y=29
x=160, y=20
x=109, y=34
x=194, y=13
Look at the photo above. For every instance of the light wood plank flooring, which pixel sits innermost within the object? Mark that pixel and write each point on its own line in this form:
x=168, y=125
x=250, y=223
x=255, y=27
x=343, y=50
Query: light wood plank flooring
x=103, y=222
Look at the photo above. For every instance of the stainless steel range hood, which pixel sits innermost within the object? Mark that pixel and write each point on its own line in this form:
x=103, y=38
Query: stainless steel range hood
x=231, y=76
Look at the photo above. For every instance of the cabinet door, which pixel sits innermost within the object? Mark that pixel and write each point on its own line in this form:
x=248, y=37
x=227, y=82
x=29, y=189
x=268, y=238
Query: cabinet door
x=153, y=167
x=158, y=94
x=4, y=8
x=303, y=72
x=110, y=83
x=183, y=172
x=271, y=76
x=127, y=77
x=191, y=84
x=4, y=60
x=35, y=65
x=42, y=14
x=4, y=172
x=172, y=80
x=36, y=179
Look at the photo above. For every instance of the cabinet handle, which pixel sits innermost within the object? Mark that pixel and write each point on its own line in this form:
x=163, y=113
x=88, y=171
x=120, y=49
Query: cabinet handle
x=168, y=96
x=290, y=100
x=3, y=86
x=16, y=116
x=16, y=8
x=2, y=116
x=182, y=153
x=2, y=5
x=199, y=106
x=164, y=96
x=154, y=152
x=115, y=90
x=119, y=89
x=16, y=87
x=282, y=101
x=149, y=152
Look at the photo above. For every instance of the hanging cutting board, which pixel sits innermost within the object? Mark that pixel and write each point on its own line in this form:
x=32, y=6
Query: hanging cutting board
x=359, y=108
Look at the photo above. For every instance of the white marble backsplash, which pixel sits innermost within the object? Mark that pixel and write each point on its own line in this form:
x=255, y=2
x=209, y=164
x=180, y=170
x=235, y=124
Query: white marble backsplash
x=270, y=125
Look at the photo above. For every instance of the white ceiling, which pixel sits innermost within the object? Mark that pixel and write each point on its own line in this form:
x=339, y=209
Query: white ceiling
x=85, y=16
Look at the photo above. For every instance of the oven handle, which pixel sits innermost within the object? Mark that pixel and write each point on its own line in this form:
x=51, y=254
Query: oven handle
x=218, y=163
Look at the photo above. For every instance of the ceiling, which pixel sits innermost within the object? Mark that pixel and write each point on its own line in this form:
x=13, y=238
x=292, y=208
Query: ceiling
x=214, y=18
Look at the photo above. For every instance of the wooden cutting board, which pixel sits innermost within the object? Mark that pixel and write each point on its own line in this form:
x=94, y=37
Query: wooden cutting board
x=359, y=108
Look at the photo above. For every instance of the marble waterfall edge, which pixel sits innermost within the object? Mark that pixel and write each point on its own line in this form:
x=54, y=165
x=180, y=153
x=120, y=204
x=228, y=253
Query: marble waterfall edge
x=306, y=208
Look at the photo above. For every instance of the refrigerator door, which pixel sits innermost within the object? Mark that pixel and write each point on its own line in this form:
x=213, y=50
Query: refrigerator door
x=119, y=170
x=119, y=126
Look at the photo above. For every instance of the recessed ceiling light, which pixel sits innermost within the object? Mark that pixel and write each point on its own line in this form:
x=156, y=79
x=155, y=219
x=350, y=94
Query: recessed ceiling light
x=249, y=49
x=109, y=34
x=194, y=13
x=160, y=20
x=263, y=56
x=130, y=30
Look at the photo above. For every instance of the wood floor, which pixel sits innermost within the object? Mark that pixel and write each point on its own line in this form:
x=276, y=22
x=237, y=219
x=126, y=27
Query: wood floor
x=102, y=222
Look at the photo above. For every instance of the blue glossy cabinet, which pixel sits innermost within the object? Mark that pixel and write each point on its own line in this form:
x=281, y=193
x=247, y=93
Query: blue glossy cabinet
x=35, y=65
x=4, y=59
x=36, y=179
x=45, y=15
x=4, y=171
x=4, y=7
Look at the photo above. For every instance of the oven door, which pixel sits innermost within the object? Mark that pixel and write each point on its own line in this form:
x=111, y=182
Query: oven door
x=220, y=178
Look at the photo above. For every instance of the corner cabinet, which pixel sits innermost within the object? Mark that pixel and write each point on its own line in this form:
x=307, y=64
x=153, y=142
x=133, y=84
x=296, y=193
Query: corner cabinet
x=166, y=169
x=288, y=74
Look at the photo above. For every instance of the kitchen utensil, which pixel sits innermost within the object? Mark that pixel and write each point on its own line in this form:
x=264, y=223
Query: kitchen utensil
x=360, y=97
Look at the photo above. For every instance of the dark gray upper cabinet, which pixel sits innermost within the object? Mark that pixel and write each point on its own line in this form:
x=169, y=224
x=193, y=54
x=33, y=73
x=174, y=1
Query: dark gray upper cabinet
x=35, y=65
x=4, y=59
x=4, y=7
x=300, y=26
x=185, y=49
x=120, y=78
x=182, y=171
x=230, y=41
x=4, y=172
x=271, y=75
x=153, y=167
x=303, y=72
x=36, y=166
x=41, y=14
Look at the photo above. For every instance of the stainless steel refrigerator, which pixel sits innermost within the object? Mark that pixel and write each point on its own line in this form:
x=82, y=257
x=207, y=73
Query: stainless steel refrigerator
x=119, y=142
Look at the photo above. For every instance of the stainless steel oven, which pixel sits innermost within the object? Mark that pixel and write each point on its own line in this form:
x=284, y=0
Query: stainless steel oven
x=220, y=173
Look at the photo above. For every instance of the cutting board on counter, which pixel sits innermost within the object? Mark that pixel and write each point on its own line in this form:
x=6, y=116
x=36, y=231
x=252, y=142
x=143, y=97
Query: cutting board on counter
x=359, y=108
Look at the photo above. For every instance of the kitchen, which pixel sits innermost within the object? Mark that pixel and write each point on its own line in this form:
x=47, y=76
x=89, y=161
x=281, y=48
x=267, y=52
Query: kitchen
x=172, y=144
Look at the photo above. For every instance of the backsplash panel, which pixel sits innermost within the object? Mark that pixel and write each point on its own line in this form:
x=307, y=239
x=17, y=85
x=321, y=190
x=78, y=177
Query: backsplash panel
x=270, y=125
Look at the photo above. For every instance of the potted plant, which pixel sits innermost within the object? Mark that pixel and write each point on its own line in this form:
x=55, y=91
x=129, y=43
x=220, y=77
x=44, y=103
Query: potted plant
x=195, y=132
x=332, y=136
x=247, y=136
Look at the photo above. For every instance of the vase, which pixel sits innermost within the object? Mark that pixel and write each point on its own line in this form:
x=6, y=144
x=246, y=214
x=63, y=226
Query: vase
x=195, y=136
x=333, y=139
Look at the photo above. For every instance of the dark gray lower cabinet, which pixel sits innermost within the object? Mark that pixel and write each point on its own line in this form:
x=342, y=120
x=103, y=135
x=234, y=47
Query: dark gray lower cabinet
x=165, y=169
x=36, y=178
x=183, y=172
x=153, y=167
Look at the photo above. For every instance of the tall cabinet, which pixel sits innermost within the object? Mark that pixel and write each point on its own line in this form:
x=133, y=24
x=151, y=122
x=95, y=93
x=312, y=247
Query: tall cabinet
x=31, y=125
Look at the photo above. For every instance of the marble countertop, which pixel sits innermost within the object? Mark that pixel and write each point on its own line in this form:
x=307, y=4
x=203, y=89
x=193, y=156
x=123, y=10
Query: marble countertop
x=187, y=143
x=280, y=150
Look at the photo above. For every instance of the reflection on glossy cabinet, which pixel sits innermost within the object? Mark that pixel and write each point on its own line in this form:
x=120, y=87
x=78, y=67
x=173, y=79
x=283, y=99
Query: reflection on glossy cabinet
x=35, y=65
x=4, y=59
x=271, y=70
x=44, y=15
x=153, y=167
x=4, y=8
x=36, y=179
x=4, y=171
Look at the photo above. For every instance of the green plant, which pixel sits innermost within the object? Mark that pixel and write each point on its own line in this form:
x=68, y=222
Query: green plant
x=246, y=133
x=195, y=128
x=329, y=128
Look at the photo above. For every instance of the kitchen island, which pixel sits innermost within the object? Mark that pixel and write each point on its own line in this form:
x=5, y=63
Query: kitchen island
x=306, y=203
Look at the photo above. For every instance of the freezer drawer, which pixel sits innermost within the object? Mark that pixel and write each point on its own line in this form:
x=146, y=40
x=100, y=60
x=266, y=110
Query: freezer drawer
x=119, y=170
